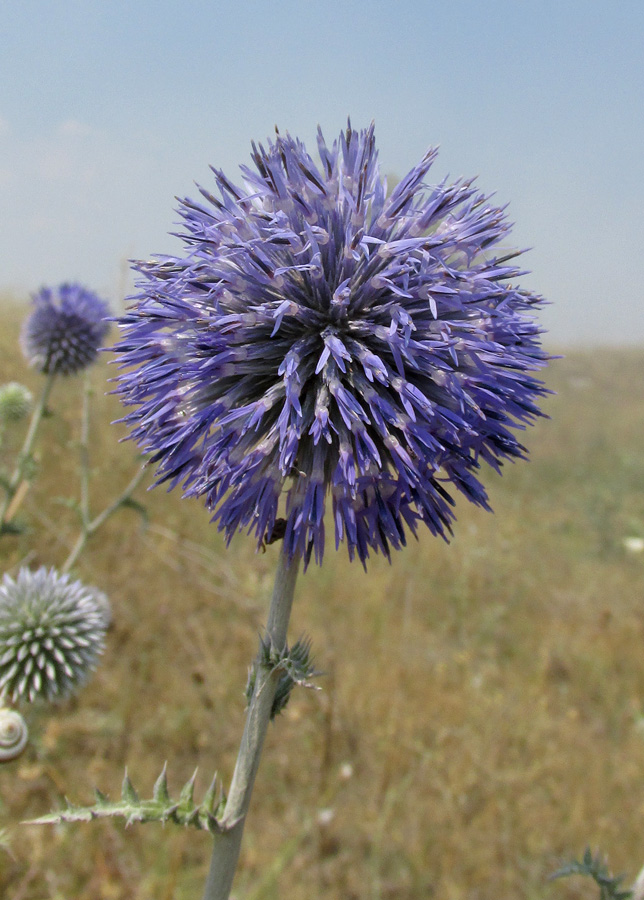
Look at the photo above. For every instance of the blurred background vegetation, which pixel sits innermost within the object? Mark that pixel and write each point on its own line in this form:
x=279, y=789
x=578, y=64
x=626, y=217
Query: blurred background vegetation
x=482, y=711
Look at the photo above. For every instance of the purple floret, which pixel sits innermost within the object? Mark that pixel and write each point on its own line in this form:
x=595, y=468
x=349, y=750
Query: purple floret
x=65, y=329
x=320, y=338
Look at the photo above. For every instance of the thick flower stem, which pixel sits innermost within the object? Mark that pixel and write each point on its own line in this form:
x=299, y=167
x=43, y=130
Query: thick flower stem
x=227, y=845
x=9, y=508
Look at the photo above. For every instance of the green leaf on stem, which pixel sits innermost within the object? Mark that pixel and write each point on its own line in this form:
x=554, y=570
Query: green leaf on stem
x=68, y=503
x=595, y=868
x=295, y=665
x=13, y=527
x=205, y=816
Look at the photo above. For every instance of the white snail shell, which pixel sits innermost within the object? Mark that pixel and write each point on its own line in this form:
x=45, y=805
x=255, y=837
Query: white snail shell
x=13, y=734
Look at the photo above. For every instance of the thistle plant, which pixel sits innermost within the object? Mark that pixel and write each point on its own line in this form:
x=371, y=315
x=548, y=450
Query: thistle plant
x=61, y=336
x=52, y=631
x=321, y=343
x=67, y=326
x=52, y=627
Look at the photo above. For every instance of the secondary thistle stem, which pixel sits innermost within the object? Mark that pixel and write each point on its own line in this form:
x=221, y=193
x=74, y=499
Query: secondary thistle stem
x=84, y=452
x=227, y=845
x=89, y=525
x=88, y=528
x=9, y=508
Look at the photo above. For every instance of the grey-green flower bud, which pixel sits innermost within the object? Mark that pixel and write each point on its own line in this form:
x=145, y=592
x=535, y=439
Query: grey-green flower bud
x=15, y=401
x=52, y=632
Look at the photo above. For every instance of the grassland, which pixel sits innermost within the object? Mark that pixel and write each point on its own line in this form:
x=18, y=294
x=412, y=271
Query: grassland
x=482, y=711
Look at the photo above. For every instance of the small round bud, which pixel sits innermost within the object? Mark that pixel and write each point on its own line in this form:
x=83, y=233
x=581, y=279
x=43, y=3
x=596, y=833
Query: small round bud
x=15, y=401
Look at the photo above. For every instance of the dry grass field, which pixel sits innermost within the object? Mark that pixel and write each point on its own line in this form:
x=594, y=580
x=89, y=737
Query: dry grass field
x=481, y=717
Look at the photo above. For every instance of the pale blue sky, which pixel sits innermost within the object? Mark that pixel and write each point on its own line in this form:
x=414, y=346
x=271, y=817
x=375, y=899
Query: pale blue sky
x=108, y=109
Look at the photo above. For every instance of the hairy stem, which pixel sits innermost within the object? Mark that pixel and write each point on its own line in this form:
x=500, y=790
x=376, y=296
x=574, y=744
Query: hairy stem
x=8, y=508
x=227, y=845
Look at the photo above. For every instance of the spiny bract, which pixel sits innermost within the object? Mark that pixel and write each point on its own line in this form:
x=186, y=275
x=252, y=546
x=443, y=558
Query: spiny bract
x=320, y=338
x=52, y=632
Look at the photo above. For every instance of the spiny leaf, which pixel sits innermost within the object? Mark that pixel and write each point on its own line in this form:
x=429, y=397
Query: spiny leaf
x=128, y=794
x=12, y=527
x=161, y=808
x=208, y=802
x=595, y=868
x=186, y=797
x=160, y=789
x=193, y=818
x=101, y=798
x=294, y=664
x=68, y=502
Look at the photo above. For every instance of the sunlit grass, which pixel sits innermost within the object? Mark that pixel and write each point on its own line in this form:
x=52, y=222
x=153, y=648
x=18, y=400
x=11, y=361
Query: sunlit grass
x=482, y=712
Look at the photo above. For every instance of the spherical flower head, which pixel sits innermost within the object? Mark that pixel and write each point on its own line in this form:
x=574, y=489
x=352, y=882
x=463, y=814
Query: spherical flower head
x=65, y=329
x=322, y=340
x=52, y=632
x=15, y=402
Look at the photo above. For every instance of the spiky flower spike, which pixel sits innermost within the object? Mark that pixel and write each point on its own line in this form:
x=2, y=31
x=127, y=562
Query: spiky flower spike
x=65, y=329
x=52, y=631
x=15, y=401
x=320, y=338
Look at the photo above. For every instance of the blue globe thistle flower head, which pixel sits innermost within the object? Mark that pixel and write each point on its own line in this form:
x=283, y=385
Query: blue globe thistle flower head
x=65, y=329
x=322, y=342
